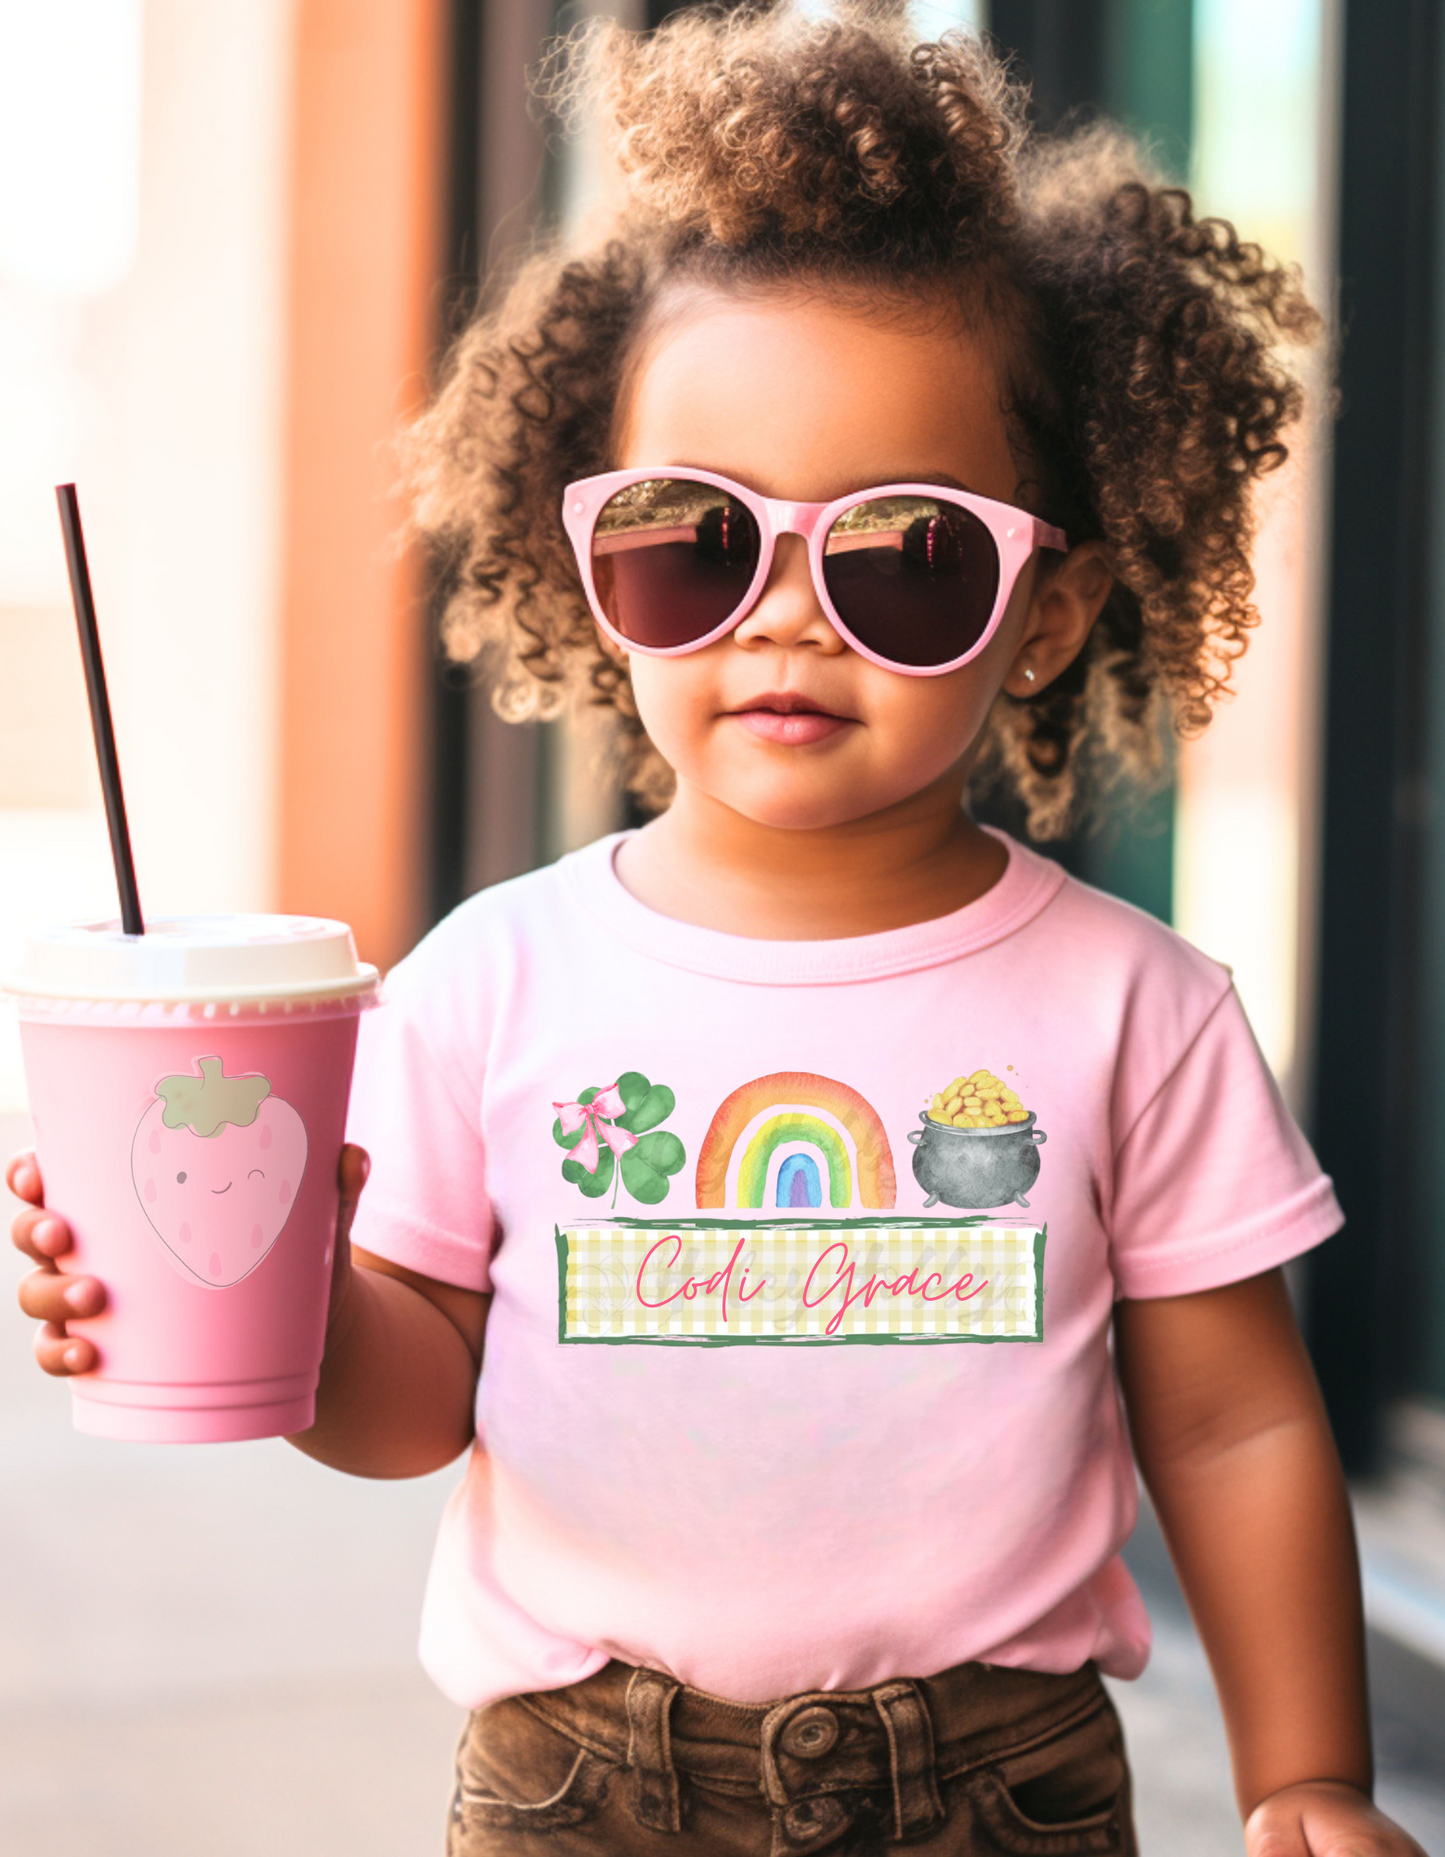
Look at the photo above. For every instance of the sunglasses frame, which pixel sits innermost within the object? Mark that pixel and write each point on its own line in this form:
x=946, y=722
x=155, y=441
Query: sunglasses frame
x=1016, y=534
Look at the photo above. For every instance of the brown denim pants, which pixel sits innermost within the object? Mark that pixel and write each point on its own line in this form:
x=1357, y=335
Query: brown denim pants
x=974, y=1762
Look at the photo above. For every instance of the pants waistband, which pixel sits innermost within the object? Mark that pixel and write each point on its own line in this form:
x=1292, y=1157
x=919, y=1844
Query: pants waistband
x=804, y=1749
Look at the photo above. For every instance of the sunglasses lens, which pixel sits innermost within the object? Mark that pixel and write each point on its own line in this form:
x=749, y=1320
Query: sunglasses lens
x=913, y=578
x=672, y=560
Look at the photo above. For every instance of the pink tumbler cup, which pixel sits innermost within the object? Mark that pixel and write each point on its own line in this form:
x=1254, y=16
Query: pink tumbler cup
x=188, y=1089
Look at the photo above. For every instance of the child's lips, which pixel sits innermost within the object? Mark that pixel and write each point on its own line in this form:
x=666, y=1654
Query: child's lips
x=790, y=723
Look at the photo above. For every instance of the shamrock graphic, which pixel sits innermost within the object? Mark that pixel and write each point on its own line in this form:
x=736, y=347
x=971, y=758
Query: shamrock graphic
x=613, y=1130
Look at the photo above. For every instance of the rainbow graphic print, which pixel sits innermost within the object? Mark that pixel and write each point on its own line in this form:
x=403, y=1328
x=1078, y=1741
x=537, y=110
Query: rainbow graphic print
x=782, y=1136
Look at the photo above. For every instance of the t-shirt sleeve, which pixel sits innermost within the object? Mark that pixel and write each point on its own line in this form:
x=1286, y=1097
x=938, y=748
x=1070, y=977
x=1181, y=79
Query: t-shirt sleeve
x=1213, y=1181
x=417, y=1111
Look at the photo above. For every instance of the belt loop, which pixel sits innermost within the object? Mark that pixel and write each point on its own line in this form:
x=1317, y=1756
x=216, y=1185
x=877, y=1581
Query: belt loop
x=656, y=1802
x=917, y=1807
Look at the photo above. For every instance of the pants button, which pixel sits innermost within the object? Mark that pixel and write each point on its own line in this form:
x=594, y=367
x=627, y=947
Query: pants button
x=812, y=1819
x=809, y=1734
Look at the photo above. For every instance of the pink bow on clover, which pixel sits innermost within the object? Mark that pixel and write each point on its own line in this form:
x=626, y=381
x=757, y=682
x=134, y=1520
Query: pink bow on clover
x=597, y=1118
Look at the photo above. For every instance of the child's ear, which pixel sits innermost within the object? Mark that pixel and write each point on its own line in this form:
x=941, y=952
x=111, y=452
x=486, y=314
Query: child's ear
x=1062, y=611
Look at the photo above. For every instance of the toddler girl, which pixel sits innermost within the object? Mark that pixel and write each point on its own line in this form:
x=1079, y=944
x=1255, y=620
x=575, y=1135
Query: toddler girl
x=827, y=1190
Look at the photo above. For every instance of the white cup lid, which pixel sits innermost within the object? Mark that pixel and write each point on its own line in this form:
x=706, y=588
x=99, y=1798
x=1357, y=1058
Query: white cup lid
x=192, y=959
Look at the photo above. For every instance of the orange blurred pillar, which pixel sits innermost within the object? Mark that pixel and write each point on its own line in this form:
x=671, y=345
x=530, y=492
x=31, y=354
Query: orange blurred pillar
x=366, y=182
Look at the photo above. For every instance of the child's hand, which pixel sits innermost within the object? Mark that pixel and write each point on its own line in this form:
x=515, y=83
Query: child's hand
x=53, y=1299
x=351, y=1172
x=1324, y=1818
x=45, y=1294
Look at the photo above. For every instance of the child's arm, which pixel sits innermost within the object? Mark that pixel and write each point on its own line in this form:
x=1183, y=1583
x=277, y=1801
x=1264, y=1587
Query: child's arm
x=402, y=1351
x=1232, y=1439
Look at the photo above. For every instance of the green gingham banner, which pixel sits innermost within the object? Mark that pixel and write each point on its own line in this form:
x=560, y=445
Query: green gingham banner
x=722, y=1282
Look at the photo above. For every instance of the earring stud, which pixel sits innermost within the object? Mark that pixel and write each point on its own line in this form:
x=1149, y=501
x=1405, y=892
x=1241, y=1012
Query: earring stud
x=1028, y=675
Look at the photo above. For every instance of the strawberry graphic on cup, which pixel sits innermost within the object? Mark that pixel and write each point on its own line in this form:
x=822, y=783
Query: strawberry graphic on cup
x=217, y=1162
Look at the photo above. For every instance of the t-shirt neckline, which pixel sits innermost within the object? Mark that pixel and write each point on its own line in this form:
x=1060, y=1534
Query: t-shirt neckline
x=1029, y=883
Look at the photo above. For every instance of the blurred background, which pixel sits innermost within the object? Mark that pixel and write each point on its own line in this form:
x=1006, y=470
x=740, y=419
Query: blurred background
x=234, y=238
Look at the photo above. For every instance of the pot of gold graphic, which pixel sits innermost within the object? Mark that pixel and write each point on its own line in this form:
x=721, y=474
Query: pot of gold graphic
x=978, y=1146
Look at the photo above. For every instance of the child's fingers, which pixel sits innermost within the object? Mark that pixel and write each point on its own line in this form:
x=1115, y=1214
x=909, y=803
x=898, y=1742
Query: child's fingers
x=22, y=1176
x=47, y=1296
x=351, y=1172
x=1275, y=1836
x=63, y=1354
x=1324, y=1818
x=354, y=1166
x=41, y=1235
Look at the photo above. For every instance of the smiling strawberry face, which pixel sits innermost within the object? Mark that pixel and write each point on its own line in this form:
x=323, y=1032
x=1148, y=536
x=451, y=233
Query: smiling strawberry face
x=217, y=1162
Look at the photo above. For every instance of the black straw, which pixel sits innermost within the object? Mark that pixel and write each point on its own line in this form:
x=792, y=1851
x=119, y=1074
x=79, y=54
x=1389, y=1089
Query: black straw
x=131, y=919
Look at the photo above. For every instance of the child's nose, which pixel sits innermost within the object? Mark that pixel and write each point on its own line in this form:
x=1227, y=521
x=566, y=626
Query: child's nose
x=788, y=613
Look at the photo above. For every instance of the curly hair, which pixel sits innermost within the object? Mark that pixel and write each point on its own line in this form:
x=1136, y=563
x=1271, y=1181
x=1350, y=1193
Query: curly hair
x=1144, y=382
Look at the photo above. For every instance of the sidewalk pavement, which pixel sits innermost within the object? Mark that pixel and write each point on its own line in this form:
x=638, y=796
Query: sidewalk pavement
x=208, y=1652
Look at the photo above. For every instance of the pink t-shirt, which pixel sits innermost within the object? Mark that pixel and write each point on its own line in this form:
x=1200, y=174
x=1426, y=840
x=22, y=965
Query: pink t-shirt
x=796, y=1376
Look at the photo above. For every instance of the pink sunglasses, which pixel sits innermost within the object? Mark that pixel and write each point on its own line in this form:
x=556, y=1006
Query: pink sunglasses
x=914, y=576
